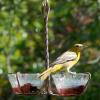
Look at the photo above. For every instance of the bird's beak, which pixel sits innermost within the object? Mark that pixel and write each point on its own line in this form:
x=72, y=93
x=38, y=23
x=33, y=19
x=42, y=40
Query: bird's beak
x=85, y=46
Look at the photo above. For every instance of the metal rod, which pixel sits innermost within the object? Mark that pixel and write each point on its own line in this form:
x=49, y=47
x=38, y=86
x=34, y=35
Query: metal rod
x=17, y=74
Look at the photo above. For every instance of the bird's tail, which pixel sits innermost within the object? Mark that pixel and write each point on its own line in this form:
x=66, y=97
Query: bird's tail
x=50, y=70
x=45, y=74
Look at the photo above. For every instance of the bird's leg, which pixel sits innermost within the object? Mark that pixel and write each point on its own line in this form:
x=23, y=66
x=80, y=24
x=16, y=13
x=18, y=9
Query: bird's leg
x=70, y=71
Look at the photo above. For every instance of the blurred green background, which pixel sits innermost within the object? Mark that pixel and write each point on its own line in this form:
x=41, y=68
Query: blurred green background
x=22, y=40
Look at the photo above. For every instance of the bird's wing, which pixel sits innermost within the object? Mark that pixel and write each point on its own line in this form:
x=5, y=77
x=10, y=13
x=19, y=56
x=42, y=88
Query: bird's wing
x=67, y=56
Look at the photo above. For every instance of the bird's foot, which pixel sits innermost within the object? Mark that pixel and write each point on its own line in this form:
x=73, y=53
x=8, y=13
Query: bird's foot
x=72, y=72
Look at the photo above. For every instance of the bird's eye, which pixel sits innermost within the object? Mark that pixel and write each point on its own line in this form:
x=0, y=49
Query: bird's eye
x=77, y=46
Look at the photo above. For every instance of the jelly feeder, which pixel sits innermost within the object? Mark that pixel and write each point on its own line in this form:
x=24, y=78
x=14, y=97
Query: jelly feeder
x=61, y=84
x=26, y=84
x=68, y=84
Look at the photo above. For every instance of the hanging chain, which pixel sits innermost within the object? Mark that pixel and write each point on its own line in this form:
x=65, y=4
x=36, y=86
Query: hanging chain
x=46, y=9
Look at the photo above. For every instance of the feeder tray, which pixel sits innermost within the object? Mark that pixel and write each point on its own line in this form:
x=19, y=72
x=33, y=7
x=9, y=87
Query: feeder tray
x=69, y=84
x=26, y=84
x=60, y=84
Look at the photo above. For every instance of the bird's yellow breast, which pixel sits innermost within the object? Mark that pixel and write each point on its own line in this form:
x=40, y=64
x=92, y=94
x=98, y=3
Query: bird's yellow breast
x=78, y=57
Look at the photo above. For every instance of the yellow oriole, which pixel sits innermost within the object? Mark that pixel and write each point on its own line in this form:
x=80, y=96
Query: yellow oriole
x=66, y=61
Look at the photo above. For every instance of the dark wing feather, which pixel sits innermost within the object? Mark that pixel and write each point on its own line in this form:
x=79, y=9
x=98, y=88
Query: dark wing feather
x=67, y=56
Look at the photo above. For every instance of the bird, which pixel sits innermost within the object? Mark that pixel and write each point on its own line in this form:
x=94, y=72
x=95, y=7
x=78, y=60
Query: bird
x=64, y=62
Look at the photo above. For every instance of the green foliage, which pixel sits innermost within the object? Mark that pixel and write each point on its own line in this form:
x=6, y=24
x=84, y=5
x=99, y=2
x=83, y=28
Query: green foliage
x=22, y=39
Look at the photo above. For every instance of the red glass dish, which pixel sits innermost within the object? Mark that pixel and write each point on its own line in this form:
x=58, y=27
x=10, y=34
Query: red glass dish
x=67, y=84
x=26, y=84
